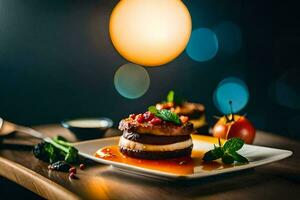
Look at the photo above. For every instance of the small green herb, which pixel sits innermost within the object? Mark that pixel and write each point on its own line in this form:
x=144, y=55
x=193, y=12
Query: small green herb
x=227, y=152
x=56, y=149
x=213, y=154
x=171, y=97
x=51, y=152
x=233, y=145
x=166, y=115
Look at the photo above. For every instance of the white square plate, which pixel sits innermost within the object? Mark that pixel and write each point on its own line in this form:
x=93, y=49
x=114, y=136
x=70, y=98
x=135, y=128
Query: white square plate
x=256, y=155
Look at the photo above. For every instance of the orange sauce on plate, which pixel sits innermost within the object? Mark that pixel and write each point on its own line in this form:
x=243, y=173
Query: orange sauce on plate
x=184, y=165
x=180, y=166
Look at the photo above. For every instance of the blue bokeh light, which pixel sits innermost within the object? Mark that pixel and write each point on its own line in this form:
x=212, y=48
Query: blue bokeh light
x=203, y=45
x=229, y=36
x=131, y=81
x=231, y=89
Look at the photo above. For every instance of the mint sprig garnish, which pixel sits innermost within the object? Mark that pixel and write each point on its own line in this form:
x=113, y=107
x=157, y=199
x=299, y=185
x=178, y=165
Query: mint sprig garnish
x=165, y=115
x=227, y=152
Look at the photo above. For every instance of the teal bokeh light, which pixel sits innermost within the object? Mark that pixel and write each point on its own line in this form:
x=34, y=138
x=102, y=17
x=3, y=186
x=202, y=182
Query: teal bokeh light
x=231, y=89
x=131, y=81
x=229, y=36
x=203, y=45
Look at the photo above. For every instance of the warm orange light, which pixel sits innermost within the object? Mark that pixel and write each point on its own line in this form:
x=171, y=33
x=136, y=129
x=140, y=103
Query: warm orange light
x=150, y=32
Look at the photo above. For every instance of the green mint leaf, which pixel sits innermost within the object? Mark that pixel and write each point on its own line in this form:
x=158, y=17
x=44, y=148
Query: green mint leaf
x=233, y=145
x=152, y=109
x=214, y=154
x=239, y=158
x=170, y=96
x=227, y=159
x=165, y=115
x=227, y=152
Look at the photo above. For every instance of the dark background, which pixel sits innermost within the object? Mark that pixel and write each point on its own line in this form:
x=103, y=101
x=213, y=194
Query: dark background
x=57, y=62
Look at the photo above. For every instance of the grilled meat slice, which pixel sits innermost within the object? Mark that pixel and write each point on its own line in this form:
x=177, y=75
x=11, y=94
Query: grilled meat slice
x=163, y=129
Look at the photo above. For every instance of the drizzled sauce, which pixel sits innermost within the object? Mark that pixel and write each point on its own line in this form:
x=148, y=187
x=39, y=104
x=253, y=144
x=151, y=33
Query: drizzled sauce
x=181, y=166
x=184, y=165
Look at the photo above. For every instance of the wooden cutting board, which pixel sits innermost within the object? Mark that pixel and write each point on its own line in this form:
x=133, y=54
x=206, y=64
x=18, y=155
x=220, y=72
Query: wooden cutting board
x=104, y=182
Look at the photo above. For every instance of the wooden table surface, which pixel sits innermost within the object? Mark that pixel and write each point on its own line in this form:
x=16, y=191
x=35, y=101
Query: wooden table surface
x=273, y=181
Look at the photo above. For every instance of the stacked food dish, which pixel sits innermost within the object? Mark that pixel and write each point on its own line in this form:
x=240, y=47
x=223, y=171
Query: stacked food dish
x=156, y=134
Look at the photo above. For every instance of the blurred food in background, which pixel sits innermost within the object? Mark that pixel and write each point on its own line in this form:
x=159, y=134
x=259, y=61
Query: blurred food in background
x=194, y=111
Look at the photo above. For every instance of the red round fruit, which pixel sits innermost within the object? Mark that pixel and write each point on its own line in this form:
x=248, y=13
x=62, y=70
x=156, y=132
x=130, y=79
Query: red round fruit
x=73, y=176
x=140, y=118
x=156, y=121
x=148, y=116
x=72, y=170
x=132, y=116
x=82, y=166
x=240, y=127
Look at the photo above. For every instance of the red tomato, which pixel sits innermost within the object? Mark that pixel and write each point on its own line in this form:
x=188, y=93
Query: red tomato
x=240, y=127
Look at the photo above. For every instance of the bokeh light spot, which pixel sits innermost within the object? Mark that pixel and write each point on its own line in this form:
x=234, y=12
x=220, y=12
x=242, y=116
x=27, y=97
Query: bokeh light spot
x=203, y=45
x=152, y=32
x=131, y=81
x=231, y=89
x=229, y=36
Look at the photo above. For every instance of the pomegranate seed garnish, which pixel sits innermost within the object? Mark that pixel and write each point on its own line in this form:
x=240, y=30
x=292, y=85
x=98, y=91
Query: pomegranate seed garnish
x=82, y=166
x=184, y=119
x=140, y=118
x=148, y=116
x=156, y=121
x=72, y=170
x=73, y=176
x=132, y=116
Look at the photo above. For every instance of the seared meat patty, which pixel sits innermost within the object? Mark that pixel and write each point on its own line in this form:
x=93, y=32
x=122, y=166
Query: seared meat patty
x=163, y=129
x=156, y=155
x=154, y=139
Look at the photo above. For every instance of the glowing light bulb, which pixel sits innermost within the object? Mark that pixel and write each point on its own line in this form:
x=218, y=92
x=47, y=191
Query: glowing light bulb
x=150, y=32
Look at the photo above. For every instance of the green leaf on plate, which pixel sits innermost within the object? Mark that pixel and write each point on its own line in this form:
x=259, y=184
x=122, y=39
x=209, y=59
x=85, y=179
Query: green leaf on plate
x=239, y=158
x=227, y=152
x=213, y=154
x=227, y=159
x=233, y=145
